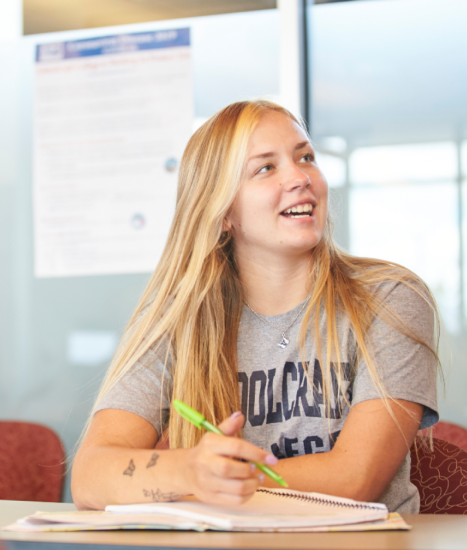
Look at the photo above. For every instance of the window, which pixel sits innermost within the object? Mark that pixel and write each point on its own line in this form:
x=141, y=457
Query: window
x=388, y=93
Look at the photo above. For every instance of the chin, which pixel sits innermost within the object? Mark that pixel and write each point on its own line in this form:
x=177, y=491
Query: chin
x=301, y=248
x=304, y=243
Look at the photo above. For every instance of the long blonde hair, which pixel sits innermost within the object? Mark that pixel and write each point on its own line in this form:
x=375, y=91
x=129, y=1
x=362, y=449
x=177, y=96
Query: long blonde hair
x=194, y=300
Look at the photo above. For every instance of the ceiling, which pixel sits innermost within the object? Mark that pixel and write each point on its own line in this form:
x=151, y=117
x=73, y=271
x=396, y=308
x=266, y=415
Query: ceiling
x=41, y=16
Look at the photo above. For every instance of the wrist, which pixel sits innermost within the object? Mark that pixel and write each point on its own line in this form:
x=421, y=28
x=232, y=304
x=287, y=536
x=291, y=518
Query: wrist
x=183, y=471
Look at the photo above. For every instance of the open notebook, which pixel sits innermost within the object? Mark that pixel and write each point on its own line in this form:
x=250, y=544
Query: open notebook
x=267, y=510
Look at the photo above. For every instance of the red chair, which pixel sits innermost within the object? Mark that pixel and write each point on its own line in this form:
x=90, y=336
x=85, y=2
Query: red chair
x=32, y=462
x=440, y=476
x=453, y=433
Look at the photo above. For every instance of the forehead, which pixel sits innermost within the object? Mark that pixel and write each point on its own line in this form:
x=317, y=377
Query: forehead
x=275, y=129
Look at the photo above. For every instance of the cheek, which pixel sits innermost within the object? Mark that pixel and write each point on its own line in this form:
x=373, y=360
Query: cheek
x=238, y=214
x=253, y=206
x=325, y=197
x=323, y=192
x=248, y=207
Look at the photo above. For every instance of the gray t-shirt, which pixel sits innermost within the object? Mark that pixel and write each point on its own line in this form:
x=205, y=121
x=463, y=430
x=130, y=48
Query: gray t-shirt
x=286, y=417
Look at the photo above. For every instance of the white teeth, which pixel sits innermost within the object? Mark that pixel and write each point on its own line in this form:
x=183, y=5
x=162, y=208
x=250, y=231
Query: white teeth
x=299, y=209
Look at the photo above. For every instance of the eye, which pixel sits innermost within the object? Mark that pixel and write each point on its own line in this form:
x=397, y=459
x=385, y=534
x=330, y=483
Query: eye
x=265, y=169
x=309, y=157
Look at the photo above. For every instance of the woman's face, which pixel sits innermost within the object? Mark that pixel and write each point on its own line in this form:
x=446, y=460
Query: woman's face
x=282, y=204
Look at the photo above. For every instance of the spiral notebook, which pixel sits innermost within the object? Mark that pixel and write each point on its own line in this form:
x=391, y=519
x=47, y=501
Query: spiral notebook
x=268, y=510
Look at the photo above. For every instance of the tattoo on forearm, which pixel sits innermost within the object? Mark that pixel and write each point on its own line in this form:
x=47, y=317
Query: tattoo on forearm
x=159, y=496
x=131, y=468
x=153, y=460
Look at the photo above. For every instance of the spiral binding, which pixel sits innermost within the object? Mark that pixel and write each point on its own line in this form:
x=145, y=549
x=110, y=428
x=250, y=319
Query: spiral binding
x=322, y=501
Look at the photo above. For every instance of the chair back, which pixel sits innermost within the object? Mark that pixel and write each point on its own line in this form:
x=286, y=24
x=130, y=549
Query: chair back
x=32, y=462
x=447, y=431
x=440, y=476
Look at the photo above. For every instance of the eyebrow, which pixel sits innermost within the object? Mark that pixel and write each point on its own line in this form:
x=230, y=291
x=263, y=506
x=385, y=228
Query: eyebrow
x=270, y=154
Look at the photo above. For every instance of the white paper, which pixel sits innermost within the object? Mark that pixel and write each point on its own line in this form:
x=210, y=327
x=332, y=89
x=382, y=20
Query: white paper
x=112, y=117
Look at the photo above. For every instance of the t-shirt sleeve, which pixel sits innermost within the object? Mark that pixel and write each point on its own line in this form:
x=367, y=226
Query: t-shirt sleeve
x=144, y=390
x=407, y=370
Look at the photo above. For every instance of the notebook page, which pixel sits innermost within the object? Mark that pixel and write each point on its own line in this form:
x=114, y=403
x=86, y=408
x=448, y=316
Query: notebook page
x=268, y=508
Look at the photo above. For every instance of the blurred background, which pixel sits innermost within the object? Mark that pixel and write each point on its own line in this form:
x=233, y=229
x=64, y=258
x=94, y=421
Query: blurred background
x=383, y=85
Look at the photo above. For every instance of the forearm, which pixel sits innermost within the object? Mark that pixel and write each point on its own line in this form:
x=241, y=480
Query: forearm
x=367, y=455
x=329, y=473
x=115, y=475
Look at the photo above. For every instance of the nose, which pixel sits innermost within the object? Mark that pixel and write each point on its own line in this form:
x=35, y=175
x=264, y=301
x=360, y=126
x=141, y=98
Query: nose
x=296, y=178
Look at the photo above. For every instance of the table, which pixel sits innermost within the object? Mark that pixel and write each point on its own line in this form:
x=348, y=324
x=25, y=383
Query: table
x=430, y=532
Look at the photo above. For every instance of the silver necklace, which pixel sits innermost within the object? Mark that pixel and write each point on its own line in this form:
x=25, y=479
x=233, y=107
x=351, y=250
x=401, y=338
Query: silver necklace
x=285, y=341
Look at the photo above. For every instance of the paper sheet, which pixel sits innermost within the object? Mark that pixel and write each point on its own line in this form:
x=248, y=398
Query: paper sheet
x=112, y=117
x=106, y=521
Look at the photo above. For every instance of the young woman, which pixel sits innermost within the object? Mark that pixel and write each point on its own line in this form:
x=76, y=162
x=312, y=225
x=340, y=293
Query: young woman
x=324, y=363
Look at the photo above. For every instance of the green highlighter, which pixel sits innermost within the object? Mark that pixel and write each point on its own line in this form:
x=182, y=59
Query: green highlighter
x=199, y=421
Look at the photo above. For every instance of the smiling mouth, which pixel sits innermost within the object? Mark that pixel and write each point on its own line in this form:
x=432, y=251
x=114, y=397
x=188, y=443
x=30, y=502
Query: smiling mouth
x=299, y=211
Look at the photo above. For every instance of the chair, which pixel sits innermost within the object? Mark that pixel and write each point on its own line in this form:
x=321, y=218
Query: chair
x=447, y=431
x=32, y=462
x=440, y=476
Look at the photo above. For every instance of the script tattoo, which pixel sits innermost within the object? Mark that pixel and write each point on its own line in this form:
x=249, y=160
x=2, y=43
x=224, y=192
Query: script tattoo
x=131, y=468
x=159, y=496
x=153, y=460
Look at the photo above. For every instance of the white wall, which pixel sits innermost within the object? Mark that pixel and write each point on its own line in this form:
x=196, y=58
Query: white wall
x=11, y=19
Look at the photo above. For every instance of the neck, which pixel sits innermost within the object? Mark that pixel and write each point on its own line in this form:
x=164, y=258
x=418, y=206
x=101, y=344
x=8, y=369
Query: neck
x=274, y=285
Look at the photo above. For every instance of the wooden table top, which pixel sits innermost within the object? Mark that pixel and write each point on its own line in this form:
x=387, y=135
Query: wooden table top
x=429, y=532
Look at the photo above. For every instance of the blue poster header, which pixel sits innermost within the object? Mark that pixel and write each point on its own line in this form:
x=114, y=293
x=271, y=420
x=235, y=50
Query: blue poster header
x=119, y=43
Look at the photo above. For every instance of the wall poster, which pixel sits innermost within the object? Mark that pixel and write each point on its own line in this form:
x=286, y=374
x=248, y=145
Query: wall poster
x=112, y=116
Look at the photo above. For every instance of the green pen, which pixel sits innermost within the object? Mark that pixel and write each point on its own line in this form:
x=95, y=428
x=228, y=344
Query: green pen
x=199, y=421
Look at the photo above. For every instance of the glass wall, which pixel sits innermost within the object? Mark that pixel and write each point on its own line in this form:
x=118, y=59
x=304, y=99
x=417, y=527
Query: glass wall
x=388, y=93
x=57, y=335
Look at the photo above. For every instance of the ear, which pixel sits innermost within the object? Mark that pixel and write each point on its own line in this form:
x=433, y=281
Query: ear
x=226, y=224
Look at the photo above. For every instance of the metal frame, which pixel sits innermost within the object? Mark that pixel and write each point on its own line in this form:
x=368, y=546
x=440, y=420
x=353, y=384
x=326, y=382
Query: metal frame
x=460, y=214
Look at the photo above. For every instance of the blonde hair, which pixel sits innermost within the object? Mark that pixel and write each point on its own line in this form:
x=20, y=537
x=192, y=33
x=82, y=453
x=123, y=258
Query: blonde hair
x=194, y=299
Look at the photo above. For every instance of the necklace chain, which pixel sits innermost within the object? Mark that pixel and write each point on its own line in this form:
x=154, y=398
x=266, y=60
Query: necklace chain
x=285, y=341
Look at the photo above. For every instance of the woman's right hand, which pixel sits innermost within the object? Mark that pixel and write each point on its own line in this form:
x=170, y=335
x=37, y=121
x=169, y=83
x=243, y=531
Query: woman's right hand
x=118, y=464
x=213, y=472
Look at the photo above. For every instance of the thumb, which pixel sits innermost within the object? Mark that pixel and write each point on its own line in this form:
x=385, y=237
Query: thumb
x=233, y=424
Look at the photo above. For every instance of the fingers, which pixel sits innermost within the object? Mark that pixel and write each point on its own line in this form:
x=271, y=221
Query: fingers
x=215, y=473
x=233, y=469
x=232, y=425
x=242, y=490
x=230, y=491
x=238, y=448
